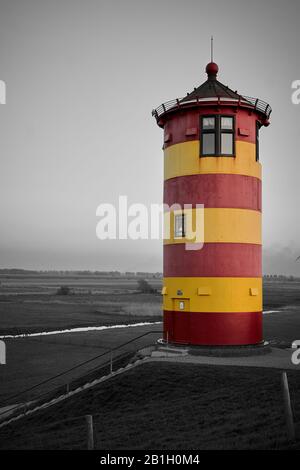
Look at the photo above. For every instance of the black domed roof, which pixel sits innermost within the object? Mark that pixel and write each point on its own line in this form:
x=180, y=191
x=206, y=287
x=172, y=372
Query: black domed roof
x=211, y=88
x=213, y=92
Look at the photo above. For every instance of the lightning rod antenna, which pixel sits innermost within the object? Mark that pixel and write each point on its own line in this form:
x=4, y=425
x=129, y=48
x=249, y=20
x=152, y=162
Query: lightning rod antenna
x=211, y=49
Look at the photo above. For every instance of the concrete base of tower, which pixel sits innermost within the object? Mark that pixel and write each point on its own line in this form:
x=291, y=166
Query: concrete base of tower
x=173, y=349
x=213, y=328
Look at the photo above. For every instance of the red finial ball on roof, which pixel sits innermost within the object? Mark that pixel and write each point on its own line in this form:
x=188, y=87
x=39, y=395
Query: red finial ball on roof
x=212, y=69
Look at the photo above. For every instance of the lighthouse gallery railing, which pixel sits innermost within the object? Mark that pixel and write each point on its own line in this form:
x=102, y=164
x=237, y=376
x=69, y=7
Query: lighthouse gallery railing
x=253, y=103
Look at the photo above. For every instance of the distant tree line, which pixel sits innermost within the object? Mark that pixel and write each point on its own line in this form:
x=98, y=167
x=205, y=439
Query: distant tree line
x=110, y=274
x=63, y=290
x=280, y=277
x=145, y=288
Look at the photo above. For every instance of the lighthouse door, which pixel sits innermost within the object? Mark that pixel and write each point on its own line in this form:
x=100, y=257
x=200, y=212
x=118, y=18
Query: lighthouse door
x=181, y=320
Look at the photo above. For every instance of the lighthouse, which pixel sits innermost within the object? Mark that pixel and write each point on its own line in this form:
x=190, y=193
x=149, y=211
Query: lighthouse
x=213, y=295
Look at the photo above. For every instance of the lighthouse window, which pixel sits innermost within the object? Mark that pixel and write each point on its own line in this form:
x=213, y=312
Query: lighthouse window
x=226, y=144
x=208, y=135
x=208, y=144
x=179, y=226
x=208, y=122
x=217, y=136
x=226, y=123
x=227, y=135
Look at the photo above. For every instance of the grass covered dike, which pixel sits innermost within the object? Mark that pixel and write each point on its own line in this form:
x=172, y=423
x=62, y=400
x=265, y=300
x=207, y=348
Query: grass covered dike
x=168, y=406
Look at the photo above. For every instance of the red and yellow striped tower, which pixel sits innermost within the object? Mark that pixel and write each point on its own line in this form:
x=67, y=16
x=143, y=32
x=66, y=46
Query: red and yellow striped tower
x=213, y=295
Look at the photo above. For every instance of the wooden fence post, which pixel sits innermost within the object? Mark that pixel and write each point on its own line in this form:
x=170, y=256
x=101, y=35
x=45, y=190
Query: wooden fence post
x=287, y=407
x=90, y=432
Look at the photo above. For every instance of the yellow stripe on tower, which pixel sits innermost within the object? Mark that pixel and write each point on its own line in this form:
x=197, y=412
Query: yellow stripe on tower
x=212, y=294
x=184, y=159
x=220, y=226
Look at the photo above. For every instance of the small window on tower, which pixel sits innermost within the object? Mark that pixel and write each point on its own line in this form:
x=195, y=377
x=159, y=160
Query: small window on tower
x=208, y=144
x=226, y=144
x=227, y=135
x=226, y=123
x=179, y=226
x=217, y=136
x=208, y=122
x=208, y=138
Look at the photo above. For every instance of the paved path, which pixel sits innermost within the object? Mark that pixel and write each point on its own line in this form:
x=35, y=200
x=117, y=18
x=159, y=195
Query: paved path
x=277, y=359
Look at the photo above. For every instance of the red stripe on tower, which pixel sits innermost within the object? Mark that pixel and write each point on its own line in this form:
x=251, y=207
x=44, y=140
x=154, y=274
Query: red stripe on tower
x=213, y=260
x=220, y=328
x=214, y=190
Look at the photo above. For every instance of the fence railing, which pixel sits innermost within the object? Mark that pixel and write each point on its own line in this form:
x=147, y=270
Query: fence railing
x=89, y=431
x=29, y=399
x=254, y=103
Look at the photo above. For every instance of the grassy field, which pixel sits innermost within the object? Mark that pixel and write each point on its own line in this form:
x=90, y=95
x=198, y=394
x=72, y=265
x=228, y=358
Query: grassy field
x=168, y=406
x=28, y=303
x=278, y=294
x=33, y=360
x=31, y=305
x=23, y=315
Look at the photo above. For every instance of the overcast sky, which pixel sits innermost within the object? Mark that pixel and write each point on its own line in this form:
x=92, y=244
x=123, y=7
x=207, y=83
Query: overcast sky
x=82, y=78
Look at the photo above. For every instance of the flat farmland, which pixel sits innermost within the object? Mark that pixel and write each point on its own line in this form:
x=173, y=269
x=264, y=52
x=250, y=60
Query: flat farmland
x=29, y=304
x=35, y=359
